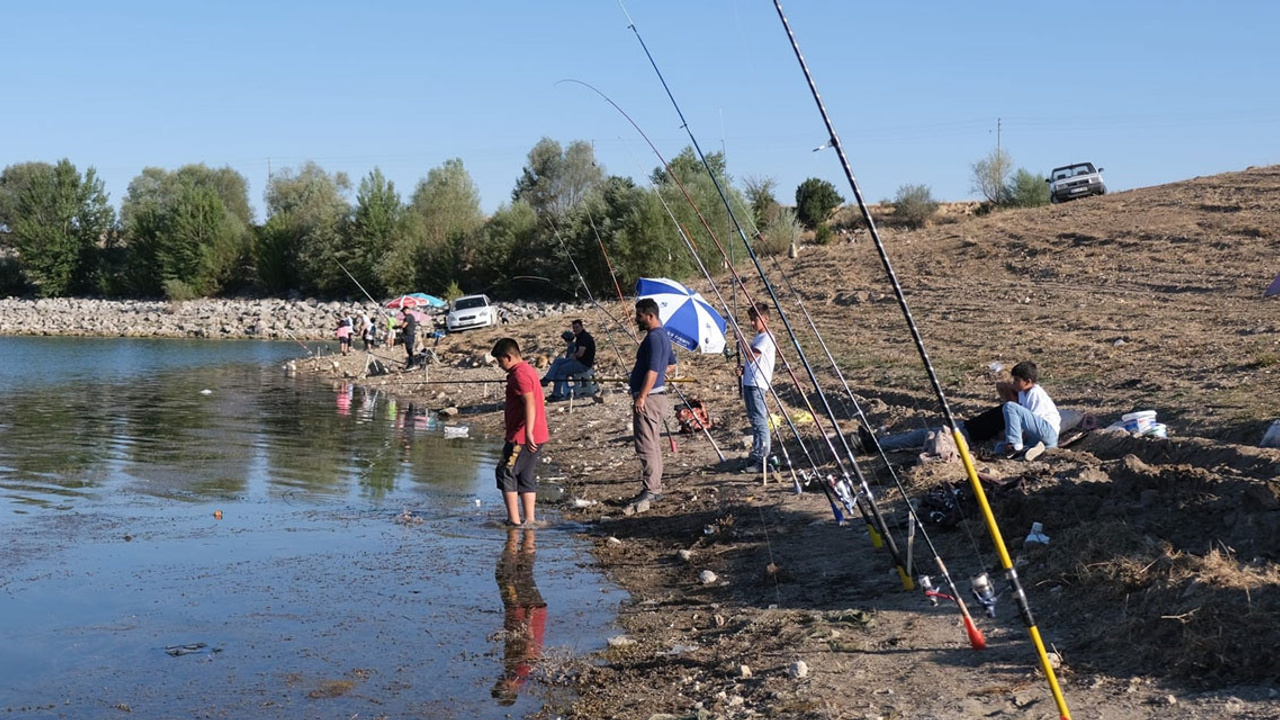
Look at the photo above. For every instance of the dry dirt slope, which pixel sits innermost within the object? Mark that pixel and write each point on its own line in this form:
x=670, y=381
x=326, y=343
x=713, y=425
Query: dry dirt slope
x=1150, y=298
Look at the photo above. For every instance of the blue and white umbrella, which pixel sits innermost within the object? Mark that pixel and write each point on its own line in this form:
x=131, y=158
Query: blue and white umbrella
x=689, y=320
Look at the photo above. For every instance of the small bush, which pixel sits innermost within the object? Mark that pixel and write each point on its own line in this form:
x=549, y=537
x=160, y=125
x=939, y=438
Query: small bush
x=822, y=234
x=914, y=205
x=1027, y=189
x=815, y=201
x=778, y=235
x=453, y=292
x=178, y=291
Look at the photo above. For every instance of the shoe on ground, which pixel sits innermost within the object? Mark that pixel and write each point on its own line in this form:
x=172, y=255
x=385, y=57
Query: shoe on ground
x=753, y=469
x=646, y=496
x=867, y=442
x=557, y=398
x=1026, y=454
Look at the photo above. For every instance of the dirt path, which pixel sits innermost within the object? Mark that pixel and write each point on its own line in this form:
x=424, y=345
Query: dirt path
x=1159, y=591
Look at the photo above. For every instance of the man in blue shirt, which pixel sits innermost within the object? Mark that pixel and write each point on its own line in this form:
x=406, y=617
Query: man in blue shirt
x=649, y=400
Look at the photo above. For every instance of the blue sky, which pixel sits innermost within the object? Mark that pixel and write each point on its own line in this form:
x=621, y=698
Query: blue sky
x=1153, y=91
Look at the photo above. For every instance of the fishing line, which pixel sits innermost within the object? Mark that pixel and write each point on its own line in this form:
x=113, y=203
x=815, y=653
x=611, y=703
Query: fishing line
x=993, y=528
x=622, y=364
x=976, y=639
x=740, y=336
x=864, y=492
x=666, y=425
x=840, y=487
x=608, y=263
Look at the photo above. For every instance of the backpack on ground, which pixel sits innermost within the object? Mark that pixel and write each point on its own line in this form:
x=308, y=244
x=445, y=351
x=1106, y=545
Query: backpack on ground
x=693, y=417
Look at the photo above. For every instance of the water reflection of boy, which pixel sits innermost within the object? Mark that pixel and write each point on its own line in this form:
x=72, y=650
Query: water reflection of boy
x=344, y=398
x=524, y=617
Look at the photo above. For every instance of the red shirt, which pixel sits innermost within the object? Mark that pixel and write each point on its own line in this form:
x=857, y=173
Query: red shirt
x=521, y=379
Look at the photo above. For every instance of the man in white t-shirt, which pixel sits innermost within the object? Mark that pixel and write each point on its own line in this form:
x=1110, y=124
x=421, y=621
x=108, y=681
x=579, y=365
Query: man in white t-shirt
x=1031, y=420
x=757, y=374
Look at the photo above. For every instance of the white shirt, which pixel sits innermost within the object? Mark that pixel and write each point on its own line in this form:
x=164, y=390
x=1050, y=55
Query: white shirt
x=1037, y=401
x=759, y=372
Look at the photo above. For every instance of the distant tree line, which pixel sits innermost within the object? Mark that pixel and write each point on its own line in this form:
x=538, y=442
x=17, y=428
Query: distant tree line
x=191, y=232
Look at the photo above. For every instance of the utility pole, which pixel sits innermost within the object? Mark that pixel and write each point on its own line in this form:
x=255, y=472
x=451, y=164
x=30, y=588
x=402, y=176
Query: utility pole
x=997, y=136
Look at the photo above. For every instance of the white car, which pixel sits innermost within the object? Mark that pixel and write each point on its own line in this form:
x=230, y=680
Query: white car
x=471, y=311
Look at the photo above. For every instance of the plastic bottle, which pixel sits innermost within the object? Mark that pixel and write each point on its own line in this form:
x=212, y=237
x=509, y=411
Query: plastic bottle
x=1036, y=536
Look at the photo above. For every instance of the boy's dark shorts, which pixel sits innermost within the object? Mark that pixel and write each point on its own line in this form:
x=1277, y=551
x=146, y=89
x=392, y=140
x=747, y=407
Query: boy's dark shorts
x=515, y=471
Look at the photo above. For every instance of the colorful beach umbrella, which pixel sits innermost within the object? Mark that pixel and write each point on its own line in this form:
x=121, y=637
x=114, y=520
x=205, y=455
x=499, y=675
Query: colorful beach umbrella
x=689, y=319
x=415, y=300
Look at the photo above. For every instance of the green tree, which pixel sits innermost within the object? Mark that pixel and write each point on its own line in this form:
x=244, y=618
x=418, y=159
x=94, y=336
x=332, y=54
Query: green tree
x=555, y=180
x=914, y=205
x=188, y=232
x=57, y=220
x=764, y=204
x=498, y=249
x=14, y=181
x=442, y=214
x=990, y=176
x=1027, y=189
x=313, y=210
x=186, y=247
x=698, y=183
x=816, y=199
x=378, y=218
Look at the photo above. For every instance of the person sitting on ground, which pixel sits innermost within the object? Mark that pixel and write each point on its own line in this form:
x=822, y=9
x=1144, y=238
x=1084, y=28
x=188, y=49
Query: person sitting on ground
x=1031, y=419
x=525, y=419
x=1022, y=397
x=580, y=358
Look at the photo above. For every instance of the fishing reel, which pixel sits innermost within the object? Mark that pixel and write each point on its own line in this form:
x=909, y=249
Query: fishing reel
x=926, y=584
x=985, y=593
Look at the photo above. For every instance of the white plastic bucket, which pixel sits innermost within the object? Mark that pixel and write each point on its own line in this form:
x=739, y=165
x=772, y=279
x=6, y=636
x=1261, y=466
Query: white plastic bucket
x=1139, y=422
x=1156, y=430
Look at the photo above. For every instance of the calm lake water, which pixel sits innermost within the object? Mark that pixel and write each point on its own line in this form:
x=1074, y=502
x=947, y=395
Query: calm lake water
x=185, y=531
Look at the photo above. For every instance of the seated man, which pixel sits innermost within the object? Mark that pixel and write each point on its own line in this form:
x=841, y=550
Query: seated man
x=1028, y=420
x=1031, y=420
x=580, y=357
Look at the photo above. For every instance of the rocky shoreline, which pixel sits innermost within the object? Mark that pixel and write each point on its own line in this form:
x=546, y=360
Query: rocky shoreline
x=226, y=319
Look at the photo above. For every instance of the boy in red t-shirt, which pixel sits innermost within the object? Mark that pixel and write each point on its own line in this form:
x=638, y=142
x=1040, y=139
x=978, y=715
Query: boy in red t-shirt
x=526, y=425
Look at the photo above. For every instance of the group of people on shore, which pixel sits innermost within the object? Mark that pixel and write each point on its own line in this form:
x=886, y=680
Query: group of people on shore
x=1027, y=417
x=403, y=328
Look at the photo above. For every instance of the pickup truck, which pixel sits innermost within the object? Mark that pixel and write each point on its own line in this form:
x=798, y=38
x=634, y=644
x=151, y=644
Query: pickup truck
x=1071, y=182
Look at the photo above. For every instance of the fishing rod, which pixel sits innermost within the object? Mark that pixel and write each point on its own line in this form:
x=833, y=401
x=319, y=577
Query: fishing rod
x=705, y=430
x=304, y=347
x=865, y=489
x=487, y=380
x=622, y=364
x=671, y=438
x=850, y=500
x=740, y=336
x=976, y=639
x=876, y=522
x=608, y=263
x=1011, y=574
